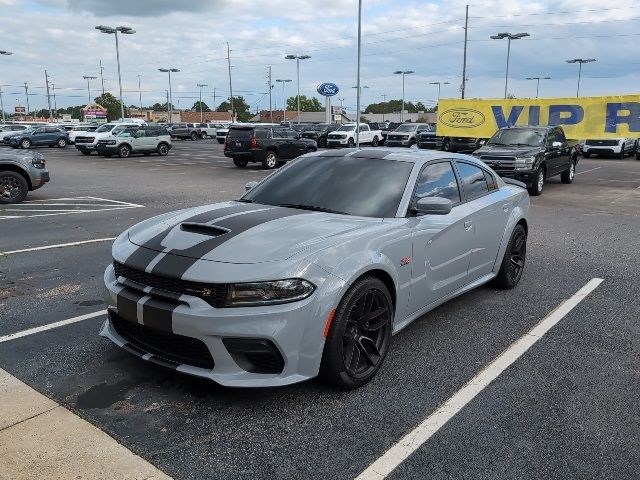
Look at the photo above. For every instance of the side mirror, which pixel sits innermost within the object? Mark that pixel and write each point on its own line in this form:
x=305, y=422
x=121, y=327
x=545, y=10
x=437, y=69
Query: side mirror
x=433, y=206
x=249, y=185
x=482, y=142
x=298, y=136
x=556, y=144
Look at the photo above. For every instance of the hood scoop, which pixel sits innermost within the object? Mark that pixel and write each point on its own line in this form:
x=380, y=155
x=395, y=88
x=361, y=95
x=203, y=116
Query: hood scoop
x=203, y=229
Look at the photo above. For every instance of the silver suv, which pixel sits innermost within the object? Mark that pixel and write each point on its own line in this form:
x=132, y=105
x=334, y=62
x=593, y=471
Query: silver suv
x=20, y=172
x=143, y=139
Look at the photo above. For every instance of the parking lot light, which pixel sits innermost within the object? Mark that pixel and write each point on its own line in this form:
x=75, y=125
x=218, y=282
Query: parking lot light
x=439, y=84
x=580, y=61
x=537, y=79
x=114, y=31
x=509, y=37
x=170, y=102
x=200, y=85
x=88, y=79
x=403, y=73
x=284, y=99
x=297, y=58
x=3, y=52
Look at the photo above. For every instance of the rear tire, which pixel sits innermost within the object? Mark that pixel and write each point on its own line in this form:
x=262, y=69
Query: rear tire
x=193, y=136
x=62, y=143
x=621, y=154
x=586, y=154
x=568, y=175
x=513, y=261
x=163, y=149
x=13, y=187
x=322, y=142
x=538, y=183
x=445, y=146
x=240, y=163
x=359, y=336
x=270, y=160
x=375, y=142
x=220, y=141
x=86, y=153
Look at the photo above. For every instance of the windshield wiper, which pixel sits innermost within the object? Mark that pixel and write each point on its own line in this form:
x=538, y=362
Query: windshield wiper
x=496, y=143
x=523, y=145
x=314, y=208
x=244, y=200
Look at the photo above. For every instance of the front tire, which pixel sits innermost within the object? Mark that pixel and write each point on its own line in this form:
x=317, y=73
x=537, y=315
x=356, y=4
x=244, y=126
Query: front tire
x=270, y=160
x=621, y=154
x=163, y=149
x=84, y=152
x=124, y=151
x=25, y=143
x=13, y=187
x=322, y=142
x=514, y=260
x=193, y=136
x=359, y=336
x=62, y=143
x=351, y=143
x=567, y=175
x=445, y=146
x=375, y=142
x=538, y=183
x=586, y=154
x=220, y=141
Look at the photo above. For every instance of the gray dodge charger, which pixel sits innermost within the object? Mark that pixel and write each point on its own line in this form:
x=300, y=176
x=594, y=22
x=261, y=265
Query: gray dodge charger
x=313, y=270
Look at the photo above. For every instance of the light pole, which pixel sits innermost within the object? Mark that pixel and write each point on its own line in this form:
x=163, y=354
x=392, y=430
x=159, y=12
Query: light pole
x=537, y=79
x=26, y=94
x=55, y=102
x=114, y=31
x=88, y=79
x=297, y=58
x=170, y=102
x=439, y=84
x=3, y=52
x=403, y=73
x=509, y=37
x=384, y=104
x=200, y=85
x=580, y=61
x=140, y=92
x=284, y=99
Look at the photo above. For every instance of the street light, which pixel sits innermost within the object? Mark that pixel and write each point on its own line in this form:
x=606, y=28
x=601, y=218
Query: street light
x=200, y=85
x=88, y=79
x=284, y=99
x=509, y=37
x=297, y=58
x=580, y=61
x=537, y=79
x=3, y=52
x=403, y=73
x=114, y=31
x=439, y=84
x=170, y=102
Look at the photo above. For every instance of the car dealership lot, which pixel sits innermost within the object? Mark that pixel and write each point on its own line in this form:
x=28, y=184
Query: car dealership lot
x=566, y=408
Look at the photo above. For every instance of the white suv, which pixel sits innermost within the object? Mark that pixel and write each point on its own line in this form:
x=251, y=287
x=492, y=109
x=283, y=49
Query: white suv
x=618, y=147
x=86, y=143
x=140, y=139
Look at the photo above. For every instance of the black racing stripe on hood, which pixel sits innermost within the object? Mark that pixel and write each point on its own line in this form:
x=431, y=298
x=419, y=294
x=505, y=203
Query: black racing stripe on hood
x=176, y=262
x=142, y=256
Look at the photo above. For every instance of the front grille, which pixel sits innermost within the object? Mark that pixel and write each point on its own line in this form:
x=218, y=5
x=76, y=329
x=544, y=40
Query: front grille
x=492, y=158
x=212, y=293
x=604, y=143
x=172, y=347
x=336, y=137
x=85, y=139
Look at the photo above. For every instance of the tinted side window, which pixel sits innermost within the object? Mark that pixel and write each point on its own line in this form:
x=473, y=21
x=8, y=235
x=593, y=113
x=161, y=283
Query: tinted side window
x=491, y=181
x=259, y=133
x=473, y=181
x=438, y=180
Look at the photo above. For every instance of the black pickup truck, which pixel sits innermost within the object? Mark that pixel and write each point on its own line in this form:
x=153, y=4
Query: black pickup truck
x=530, y=155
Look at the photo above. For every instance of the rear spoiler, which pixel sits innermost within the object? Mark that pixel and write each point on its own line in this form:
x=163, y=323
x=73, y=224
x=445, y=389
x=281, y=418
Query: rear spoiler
x=511, y=181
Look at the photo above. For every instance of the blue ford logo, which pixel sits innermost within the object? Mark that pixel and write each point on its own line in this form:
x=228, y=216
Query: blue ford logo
x=328, y=89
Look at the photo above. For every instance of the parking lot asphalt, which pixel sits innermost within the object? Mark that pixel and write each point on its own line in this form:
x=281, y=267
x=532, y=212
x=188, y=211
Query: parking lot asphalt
x=566, y=409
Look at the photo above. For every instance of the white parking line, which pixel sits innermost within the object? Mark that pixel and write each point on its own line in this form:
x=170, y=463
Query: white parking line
x=50, y=326
x=74, y=205
x=408, y=444
x=587, y=171
x=59, y=245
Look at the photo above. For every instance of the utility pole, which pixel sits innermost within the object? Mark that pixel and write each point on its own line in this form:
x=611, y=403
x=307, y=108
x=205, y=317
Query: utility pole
x=464, y=55
x=357, y=77
x=230, y=87
x=139, y=92
x=46, y=79
x=26, y=92
x=214, y=99
x=270, y=85
x=200, y=85
x=168, y=107
x=2, y=105
x=55, y=102
x=102, y=77
x=384, y=104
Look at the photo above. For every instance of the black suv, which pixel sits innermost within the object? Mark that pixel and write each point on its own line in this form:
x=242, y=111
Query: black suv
x=318, y=133
x=271, y=146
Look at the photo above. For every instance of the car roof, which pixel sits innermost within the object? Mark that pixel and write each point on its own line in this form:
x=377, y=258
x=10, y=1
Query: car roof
x=399, y=154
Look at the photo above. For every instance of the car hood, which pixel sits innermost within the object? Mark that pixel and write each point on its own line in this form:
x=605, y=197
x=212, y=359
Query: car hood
x=508, y=151
x=235, y=232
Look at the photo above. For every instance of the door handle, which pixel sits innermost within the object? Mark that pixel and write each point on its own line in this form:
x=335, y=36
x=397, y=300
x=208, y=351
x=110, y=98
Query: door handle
x=468, y=225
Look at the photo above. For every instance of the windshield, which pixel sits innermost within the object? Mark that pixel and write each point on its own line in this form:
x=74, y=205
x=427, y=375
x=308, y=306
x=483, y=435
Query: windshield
x=104, y=128
x=405, y=128
x=518, y=136
x=27, y=130
x=314, y=128
x=354, y=186
x=346, y=128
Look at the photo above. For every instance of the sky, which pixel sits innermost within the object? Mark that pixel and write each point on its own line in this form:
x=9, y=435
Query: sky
x=426, y=37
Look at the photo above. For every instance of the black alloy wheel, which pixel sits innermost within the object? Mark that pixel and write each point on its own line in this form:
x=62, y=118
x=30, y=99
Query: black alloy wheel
x=360, y=334
x=240, y=163
x=351, y=143
x=163, y=149
x=375, y=142
x=13, y=187
x=322, y=142
x=124, y=151
x=514, y=259
x=194, y=136
x=445, y=146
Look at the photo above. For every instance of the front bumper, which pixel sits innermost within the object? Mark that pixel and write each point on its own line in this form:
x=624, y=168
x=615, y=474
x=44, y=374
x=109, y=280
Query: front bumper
x=39, y=178
x=398, y=143
x=86, y=147
x=527, y=177
x=295, y=330
x=609, y=150
x=106, y=149
x=337, y=142
x=463, y=145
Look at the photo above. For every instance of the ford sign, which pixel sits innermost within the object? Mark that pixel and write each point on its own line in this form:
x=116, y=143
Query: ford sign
x=328, y=89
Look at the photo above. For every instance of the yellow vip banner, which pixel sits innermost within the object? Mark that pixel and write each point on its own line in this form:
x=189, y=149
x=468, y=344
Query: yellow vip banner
x=581, y=118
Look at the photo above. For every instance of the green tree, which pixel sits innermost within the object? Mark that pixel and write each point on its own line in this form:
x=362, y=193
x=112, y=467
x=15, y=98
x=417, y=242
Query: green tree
x=306, y=104
x=241, y=107
x=205, y=107
x=111, y=103
x=395, y=106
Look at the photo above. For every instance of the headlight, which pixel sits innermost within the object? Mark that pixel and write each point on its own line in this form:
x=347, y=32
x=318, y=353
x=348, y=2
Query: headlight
x=526, y=160
x=110, y=142
x=38, y=162
x=267, y=293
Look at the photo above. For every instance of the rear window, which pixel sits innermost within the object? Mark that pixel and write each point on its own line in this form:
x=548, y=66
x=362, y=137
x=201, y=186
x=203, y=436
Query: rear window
x=240, y=133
